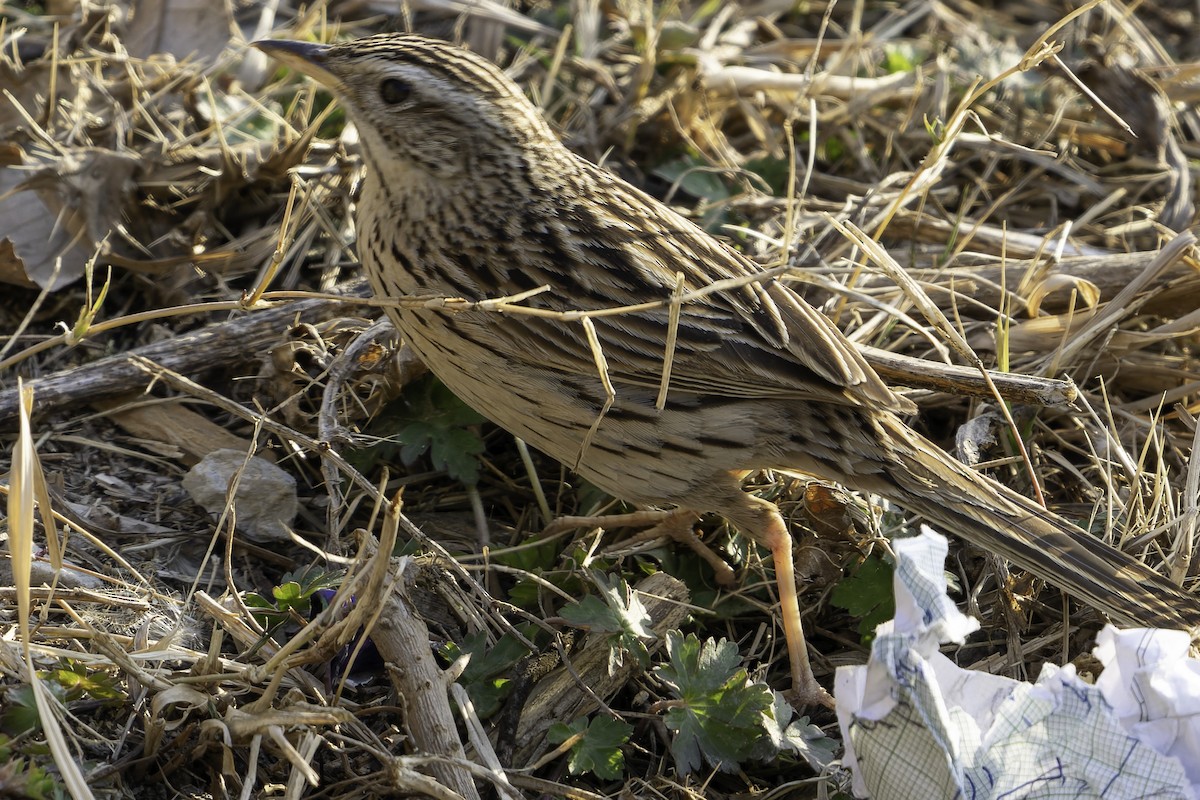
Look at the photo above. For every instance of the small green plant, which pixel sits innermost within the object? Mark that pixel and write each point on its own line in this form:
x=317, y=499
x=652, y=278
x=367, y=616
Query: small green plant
x=899, y=58
x=867, y=594
x=833, y=149
x=799, y=736
x=696, y=177
x=486, y=676
x=936, y=129
x=22, y=779
x=619, y=613
x=722, y=717
x=596, y=747
x=20, y=715
x=292, y=599
x=775, y=172
x=718, y=712
x=69, y=682
x=538, y=560
x=80, y=683
x=428, y=418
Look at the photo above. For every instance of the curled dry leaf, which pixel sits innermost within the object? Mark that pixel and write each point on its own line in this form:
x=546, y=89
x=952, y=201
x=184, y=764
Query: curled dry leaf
x=1088, y=292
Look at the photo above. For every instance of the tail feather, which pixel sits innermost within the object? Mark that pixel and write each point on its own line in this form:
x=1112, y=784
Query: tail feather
x=997, y=519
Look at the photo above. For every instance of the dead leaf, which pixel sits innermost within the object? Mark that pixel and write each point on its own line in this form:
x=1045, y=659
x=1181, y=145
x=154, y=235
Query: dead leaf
x=1088, y=292
x=55, y=216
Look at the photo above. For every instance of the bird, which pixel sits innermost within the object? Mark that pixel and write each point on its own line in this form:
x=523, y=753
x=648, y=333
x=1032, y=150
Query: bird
x=656, y=361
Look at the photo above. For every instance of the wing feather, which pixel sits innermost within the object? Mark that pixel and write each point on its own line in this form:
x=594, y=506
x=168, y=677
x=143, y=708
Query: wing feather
x=760, y=339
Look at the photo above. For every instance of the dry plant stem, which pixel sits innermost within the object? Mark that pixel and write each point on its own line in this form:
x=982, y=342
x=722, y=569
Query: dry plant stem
x=405, y=779
x=230, y=617
x=328, y=429
x=187, y=386
x=930, y=171
x=949, y=332
x=311, y=445
x=547, y=788
x=171, y=423
x=221, y=344
x=1183, y=551
x=921, y=373
x=403, y=641
x=78, y=595
x=1110, y=274
x=479, y=741
x=78, y=526
x=362, y=591
x=400, y=773
x=534, y=481
x=633, y=519
x=1121, y=305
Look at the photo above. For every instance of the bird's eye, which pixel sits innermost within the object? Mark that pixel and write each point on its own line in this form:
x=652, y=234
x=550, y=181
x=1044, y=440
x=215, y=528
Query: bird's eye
x=394, y=91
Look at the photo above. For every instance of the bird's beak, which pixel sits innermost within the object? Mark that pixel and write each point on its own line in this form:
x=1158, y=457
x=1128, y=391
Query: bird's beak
x=306, y=57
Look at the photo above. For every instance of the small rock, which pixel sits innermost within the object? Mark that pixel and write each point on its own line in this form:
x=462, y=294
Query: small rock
x=265, y=503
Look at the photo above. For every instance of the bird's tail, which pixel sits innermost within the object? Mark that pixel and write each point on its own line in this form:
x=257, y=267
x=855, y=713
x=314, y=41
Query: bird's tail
x=965, y=503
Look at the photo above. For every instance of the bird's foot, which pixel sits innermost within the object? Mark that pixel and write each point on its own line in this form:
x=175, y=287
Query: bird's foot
x=808, y=694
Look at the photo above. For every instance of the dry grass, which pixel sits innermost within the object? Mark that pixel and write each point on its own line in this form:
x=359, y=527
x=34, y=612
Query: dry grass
x=1030, y=172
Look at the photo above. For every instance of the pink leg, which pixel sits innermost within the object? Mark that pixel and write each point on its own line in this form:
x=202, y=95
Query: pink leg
x=762, y=522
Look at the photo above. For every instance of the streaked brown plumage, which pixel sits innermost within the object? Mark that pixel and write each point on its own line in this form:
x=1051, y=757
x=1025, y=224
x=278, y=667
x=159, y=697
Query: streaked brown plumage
x=469, y=195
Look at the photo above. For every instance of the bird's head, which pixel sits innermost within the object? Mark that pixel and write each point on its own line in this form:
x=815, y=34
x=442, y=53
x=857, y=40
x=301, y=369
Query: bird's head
x=422, y=104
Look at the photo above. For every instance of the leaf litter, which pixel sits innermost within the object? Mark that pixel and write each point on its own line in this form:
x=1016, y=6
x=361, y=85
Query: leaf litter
x=1046, y=221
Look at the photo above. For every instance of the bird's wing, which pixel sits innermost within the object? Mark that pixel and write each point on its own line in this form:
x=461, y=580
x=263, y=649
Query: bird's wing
x=760, y=339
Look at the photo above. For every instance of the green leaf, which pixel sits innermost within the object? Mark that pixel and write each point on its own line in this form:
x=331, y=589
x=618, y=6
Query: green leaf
x=19, y=711
x=834, y=149
x=620, y=614
x=800, y=736
x=525, y=594
x=26, y=780
x=899, y=58
x=936, y=129
x=457, y=451
x=428, y=418
x=312, y=579
x=264, y=611
x=696, y=177
x=288, y=593
x=485, y=677
x=79, y=683
x=539, y=560
x=774, y=171
x=19, y=715
x=867, y=594
x=598, y=749
x=677, y=35
x=720, y=716
x=530, y=556
x=292, y=596
x=592, y=614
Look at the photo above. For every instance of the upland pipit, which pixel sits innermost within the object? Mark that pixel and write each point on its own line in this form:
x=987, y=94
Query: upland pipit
x=468, y=194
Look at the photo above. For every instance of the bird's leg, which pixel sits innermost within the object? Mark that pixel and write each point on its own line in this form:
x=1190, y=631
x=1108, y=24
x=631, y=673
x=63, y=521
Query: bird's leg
x=678, y=524
x=762, y=522
x=758, y=520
